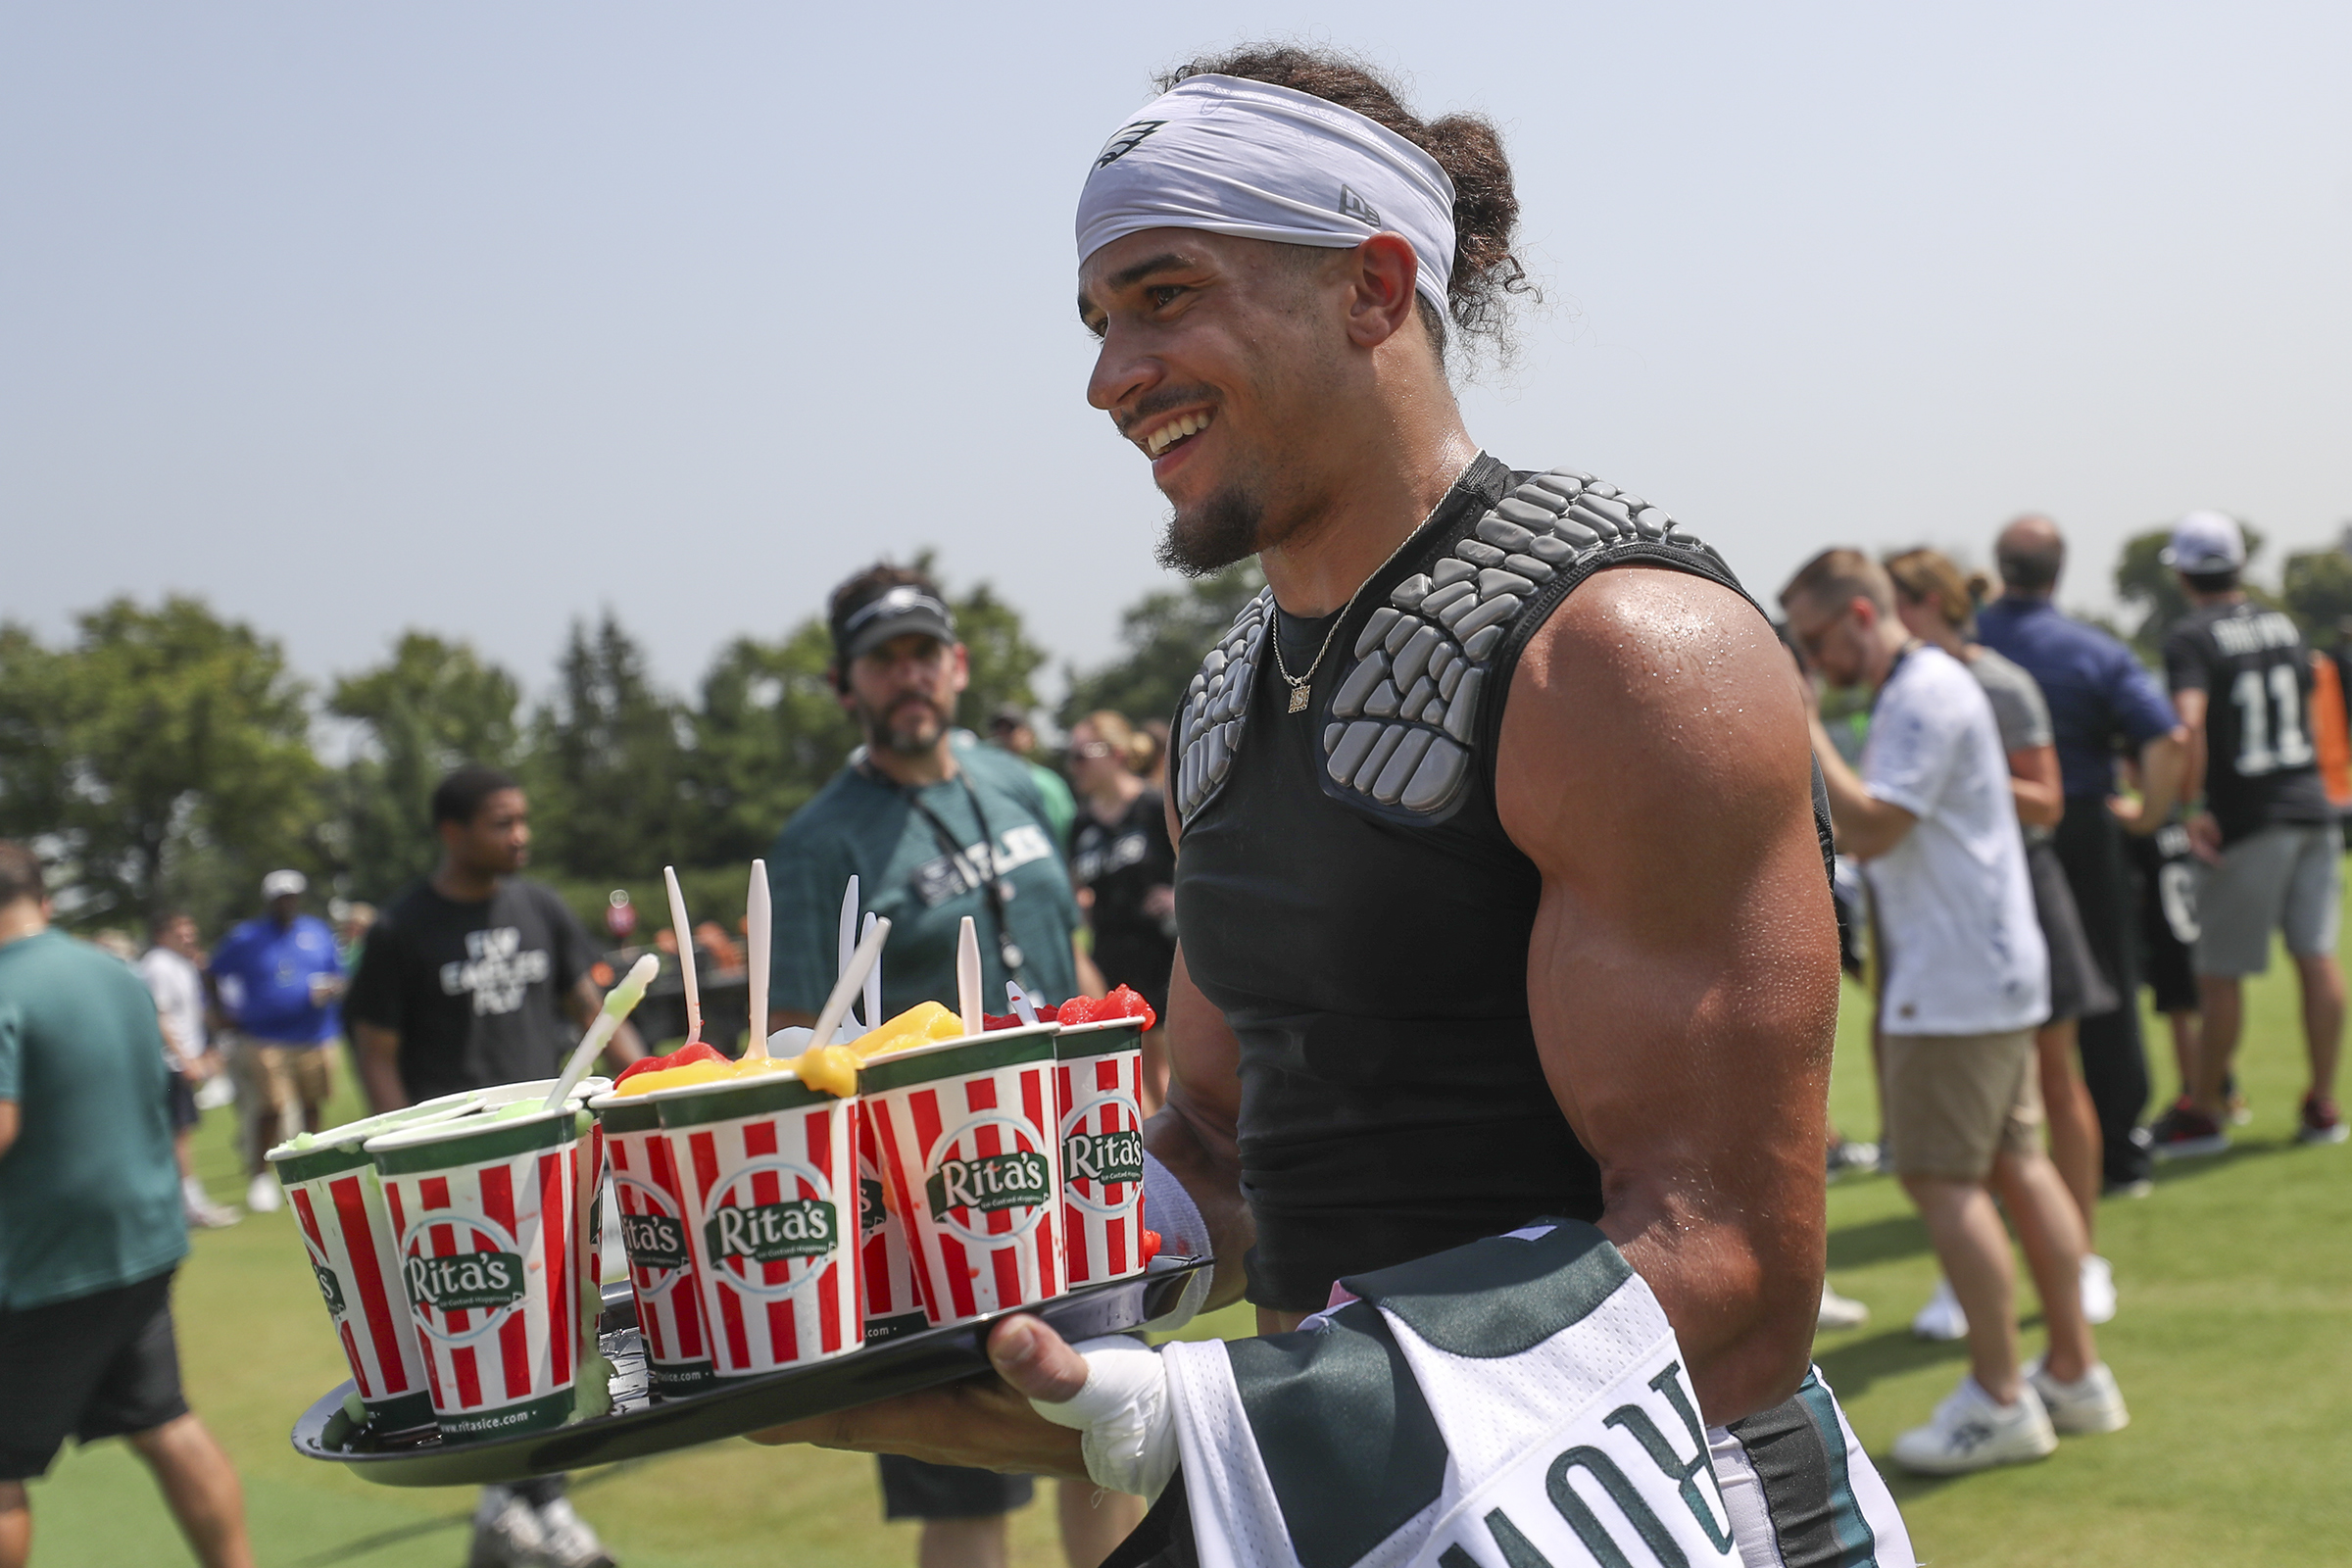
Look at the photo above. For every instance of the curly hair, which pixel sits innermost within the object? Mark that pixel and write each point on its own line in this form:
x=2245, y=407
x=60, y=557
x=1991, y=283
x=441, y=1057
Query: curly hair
x=1485, y=209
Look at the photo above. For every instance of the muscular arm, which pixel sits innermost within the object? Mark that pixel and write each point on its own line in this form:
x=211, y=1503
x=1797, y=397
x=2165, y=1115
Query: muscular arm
x=1195, y=1133
x=2034, y=786
x=1682, y=972
x=378, y=1061
x=11, y=1120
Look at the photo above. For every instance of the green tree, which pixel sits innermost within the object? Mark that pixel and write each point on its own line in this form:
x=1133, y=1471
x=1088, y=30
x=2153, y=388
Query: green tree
x=1003, y=656
x=2142, y=580
x=1164, y=635
x=607, y=762
x=432, y=706
x=164, y=757
x=2317, y=590
x=768, y=732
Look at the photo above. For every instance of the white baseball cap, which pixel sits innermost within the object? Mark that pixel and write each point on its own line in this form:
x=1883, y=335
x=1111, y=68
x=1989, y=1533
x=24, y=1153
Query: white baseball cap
x=2205, y=542
x=277, y=884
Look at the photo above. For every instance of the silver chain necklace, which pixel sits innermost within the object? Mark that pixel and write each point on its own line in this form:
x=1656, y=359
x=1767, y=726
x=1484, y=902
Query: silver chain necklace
x=1300, y=686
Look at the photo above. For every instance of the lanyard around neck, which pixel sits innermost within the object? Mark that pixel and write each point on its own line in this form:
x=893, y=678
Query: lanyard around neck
x=992, y=882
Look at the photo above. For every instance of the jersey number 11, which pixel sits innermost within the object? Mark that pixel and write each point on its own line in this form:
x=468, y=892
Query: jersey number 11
x=2255, y=754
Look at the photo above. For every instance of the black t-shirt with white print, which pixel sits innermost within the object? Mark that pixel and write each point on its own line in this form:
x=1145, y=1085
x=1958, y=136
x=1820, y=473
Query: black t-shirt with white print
x=475, y=990
x=2259, y=764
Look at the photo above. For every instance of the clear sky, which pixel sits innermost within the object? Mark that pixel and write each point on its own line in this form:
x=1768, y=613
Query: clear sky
x=478, y=317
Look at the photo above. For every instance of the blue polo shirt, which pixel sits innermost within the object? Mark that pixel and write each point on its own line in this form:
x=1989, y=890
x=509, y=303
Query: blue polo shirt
x=263, y=975
x=2102, y=701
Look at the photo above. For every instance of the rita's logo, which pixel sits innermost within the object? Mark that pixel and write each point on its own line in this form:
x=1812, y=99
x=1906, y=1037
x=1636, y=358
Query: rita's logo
x=653, y=1236
x=989, y=1179
x=1128, y=137
x=458, y=1266
x=1103, y=1154
x=872, y=1211
x=330, y=1288
x=772, y=1229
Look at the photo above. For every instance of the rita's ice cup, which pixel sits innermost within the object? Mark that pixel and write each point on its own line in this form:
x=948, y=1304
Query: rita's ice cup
x=894, y=1302
x=648, y=1183
x=966, y=1130
x=767, y=1171
x=354, y=1250
x=1098, y=1105
x=485, y=1210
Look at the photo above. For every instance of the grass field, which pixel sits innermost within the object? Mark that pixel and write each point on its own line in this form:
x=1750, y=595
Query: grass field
x=2233, y=1347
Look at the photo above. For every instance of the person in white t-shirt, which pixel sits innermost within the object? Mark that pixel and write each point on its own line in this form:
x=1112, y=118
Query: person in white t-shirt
x=173, y=971
x=1966, y=978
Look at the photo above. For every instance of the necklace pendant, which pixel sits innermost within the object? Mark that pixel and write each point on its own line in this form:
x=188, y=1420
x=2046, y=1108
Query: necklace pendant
x=1299, y=693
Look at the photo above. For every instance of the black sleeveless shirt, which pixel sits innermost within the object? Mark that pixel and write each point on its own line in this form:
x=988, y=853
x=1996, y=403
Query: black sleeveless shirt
x=1348, y=900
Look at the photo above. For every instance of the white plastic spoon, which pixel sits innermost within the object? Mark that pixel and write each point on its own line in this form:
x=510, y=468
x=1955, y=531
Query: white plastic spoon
x=620, y=1002
x=685, y=933
x=757, y=925
x=852, y=975
x=967, y=977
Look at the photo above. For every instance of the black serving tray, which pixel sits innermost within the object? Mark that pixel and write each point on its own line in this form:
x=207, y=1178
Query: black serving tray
x=640, y=1425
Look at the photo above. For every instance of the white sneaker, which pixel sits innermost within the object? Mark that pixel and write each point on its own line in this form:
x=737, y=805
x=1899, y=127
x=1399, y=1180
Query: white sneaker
x=2098, y=1288
x=1840, y=1311
x=1941, y=1318
x=566, y=1542
x=261, y=1196
x=1969, y=1432
x=216, y=1091
x=197, y=1205
x=2090, y=1403
x=506, y=1533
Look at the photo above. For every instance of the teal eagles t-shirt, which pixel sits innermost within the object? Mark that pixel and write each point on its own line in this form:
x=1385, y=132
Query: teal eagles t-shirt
x=89, y=1192
x=862, y=824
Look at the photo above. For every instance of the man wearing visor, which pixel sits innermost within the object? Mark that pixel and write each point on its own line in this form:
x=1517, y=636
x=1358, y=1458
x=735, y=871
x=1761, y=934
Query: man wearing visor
x=1502, y=1020
x=935, y=827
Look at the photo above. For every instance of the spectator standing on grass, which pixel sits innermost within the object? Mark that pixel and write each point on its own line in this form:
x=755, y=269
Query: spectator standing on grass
x=1009, y=729
x=90, y=1231
x=474, y=977
x=1124, y=868
x=276, y=978
x=1935, y=605
x=934, y=832
x=174, y=968
x=2101, y=703
x=1932, y=814
x=2242, y=682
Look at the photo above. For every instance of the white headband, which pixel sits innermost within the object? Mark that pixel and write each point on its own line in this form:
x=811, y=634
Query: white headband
x=1247, y=157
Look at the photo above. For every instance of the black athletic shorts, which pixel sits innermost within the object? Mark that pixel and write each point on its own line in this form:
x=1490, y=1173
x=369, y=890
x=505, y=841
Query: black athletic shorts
x=86, y=1367
x=914, y=1489
x=179, y=1100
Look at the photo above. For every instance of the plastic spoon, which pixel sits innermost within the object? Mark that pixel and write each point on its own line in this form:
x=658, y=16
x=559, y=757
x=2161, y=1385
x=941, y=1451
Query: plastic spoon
x=873, y=986
x=619, y=1002
x=677, y=923
x=1019, y=1001
x=852, y=975
x=967, y=977
x=756, y=923
x=849, y=939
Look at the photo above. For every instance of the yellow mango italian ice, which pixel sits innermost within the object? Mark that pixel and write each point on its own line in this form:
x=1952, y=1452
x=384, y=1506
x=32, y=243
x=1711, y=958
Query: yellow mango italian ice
x=834, y=1068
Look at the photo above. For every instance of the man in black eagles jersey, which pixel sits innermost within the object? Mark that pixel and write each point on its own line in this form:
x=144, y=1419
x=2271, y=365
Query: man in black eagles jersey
x=2241, y=680
x=1495, y=899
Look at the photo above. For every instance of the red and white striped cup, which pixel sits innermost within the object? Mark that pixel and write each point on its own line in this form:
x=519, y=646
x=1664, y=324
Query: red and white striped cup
x=769, y=1171
x=966, y=1133
x=652, y=1193
x=347, y=1234
x=894, y=1298
x=1099, y=1097
x=488, y=1248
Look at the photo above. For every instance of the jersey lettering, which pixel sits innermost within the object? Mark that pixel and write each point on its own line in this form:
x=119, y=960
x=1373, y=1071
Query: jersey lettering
x=2262, y=697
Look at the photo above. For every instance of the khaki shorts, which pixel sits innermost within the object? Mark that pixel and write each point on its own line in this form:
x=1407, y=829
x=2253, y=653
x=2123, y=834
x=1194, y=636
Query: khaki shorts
x=1954, y=1102
x=273, y=1080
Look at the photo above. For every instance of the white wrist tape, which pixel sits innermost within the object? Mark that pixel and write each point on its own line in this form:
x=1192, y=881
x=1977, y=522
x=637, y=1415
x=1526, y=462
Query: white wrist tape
x=1126, y=1427
x=1170, y=1210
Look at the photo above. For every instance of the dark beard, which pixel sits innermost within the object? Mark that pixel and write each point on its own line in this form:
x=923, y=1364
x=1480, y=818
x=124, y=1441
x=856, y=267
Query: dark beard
x=1224, y=530
x=882, y=735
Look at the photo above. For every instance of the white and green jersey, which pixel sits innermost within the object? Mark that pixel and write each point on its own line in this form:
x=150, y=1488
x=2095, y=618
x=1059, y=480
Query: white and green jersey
x=1518, y=1403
